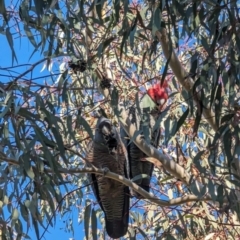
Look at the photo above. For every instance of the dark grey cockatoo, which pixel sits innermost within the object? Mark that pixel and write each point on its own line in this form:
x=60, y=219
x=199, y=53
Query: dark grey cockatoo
x=144, y=118
x=106, y=151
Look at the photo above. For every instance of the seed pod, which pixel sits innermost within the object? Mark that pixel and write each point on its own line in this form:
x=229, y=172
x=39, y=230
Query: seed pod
x=78, y=66
x=105, y=83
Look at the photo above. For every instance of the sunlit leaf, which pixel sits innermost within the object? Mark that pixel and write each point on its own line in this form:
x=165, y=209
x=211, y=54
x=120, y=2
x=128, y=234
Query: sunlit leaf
x=15, y=214
x=139, y=177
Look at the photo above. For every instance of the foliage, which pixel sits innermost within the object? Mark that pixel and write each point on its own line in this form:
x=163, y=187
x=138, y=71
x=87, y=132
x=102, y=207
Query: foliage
x=45, y=125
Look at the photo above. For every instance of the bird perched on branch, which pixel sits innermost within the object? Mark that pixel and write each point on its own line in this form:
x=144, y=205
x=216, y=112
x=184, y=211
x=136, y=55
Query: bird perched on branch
x=106, y=151
x=144, y=115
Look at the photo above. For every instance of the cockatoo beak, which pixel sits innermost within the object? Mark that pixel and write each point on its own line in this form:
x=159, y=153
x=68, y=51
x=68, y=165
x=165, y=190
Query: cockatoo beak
x=161, y=103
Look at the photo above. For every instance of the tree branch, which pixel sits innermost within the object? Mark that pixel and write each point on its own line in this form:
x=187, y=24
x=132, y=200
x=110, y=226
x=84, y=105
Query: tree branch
x=135, y=187
x=169, y=164
x=181, y=74
x=123, y=180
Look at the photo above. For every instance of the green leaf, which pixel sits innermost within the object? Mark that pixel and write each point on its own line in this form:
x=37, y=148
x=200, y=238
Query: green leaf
x=24, y=212
x=205, y=43
x=179, y=8
x=125, y=36
x=170, y=237
x=125, y=7
x=3, y=10
x=227, y=117
x=85, y=125
x=15, y=214
x=94, y=225
x=30, y=36
x=60, y=144
x=181, y=120
x=35, y=225
x=114, y=101
x=170, y=126
x=211, y=191
x=29, y=172
x=18, y=226
x=156, y=23
x=107, y=42
x=132, y=35
x=228, y=146
x=10, y=42
x=196, y=188
x=39, y=6
x=98, y=6
x=8, y=102
x=142, y=233
x=87, y=215
x=214, y=87
x=199, y=112
x=234, y=203
x=182, y=223
x=194, y=64
x=46, y=195
x=220, y=195
x=167, y=129
x=132, y=233
x=117, y=10
x=180, y=231
x=139, y=177
x=28, y=115
x=218, y=104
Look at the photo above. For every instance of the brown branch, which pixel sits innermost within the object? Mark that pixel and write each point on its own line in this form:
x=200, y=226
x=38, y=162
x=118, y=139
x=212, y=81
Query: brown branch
x=135, y=187
x=181, y=74
x=169, y=164
x=123, y=180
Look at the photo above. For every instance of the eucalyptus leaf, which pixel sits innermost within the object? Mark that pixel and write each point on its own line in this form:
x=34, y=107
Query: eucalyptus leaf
x=87, y=218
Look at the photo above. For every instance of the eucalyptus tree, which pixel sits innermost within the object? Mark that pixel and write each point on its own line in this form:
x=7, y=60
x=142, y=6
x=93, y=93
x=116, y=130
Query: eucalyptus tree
x=98, y=55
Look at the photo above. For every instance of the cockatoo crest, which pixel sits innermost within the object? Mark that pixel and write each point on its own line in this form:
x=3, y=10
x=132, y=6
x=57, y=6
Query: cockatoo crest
x=158, y=94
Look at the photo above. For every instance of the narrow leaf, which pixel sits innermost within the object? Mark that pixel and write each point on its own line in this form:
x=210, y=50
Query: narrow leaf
x=181, y=120
x=3, y=10
x=87, y=219
x=218, y=104
x=85, y=125
x=35, y=225
x=15, y=214
x=10, y=42
x=94, y=225
x=138, y=177
x=30, y=36
x=220, y=195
